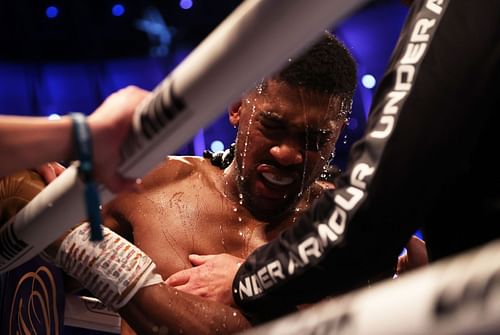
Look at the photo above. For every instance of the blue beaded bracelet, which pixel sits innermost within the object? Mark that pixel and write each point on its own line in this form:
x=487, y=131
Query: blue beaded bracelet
x=83, y=143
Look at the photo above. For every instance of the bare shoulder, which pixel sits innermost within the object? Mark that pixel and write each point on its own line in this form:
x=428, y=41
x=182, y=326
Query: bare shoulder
x=171, y=174
x=174, y=169
x=171, y=169
x=168, y=176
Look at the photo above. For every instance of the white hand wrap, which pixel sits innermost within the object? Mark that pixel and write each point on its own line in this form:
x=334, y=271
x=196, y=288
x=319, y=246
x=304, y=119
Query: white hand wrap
x=113, y=269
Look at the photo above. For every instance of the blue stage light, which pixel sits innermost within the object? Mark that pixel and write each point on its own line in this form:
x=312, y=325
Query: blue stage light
x=52, y=12
x=118, y=10
x=185, y=4
x=368, y=81
x=217, y=146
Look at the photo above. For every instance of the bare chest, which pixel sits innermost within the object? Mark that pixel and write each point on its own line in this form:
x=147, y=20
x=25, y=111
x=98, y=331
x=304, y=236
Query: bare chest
x=169, y=226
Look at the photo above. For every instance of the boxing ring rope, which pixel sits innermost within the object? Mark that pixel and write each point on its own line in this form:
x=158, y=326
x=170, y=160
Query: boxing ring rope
x=259, y=35
x=459, y=295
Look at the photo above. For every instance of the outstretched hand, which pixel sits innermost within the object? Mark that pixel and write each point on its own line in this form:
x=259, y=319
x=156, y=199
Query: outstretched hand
x=211, y=277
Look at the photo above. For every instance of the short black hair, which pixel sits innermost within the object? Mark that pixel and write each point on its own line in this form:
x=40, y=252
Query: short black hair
x=326, y=67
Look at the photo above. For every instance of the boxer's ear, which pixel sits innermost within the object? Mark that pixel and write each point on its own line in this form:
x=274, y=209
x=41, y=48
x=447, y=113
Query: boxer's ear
x=234, y=113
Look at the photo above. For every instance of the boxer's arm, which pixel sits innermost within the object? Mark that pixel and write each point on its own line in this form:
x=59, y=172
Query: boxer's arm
x=124, y=278
x=161, y=307
x=114, y=219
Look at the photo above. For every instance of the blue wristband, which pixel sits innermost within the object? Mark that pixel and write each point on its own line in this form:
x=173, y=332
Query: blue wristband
x=83, y=143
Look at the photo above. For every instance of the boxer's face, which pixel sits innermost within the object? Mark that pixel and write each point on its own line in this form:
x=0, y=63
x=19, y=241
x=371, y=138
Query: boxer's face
x=285, y=136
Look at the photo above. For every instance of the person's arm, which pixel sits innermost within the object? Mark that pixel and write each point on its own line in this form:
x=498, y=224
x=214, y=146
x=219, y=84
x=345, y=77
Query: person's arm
x=157, y=306
x=125, y=279
x=160, y=307
x=27, y=142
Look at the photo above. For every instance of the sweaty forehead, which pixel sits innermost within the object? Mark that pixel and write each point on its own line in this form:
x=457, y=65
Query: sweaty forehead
x=294, y=104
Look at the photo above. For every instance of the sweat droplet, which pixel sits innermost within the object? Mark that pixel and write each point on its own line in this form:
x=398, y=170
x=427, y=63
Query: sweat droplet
x=221, y=236
x=245, y=146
